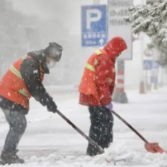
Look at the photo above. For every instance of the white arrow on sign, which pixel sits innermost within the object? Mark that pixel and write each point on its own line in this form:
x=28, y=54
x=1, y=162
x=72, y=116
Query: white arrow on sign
x=101, y=41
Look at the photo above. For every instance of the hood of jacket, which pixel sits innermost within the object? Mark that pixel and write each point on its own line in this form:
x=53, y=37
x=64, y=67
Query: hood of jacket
x=41, y=57
x=115, y=46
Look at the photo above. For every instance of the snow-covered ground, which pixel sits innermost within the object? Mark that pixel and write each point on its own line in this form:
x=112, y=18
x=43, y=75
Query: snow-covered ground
x=50, y=141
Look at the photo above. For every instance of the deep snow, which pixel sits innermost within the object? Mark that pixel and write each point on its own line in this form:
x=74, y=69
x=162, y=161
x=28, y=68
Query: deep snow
x=50, y=141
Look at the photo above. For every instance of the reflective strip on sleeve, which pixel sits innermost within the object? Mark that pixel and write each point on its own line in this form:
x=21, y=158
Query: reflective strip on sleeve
x=90, y=67
x=15, y=71
x=22, y=92
x=98, y=52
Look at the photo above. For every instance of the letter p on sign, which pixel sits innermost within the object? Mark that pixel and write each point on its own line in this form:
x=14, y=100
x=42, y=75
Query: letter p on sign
x=92, y=15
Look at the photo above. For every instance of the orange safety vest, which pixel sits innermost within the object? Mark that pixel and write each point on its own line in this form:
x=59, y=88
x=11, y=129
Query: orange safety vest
x=12, y=86
x=88, y=85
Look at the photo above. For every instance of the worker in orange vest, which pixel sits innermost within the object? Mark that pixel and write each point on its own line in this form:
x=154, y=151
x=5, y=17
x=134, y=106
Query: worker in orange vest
x=96, y=88
x=23, y=80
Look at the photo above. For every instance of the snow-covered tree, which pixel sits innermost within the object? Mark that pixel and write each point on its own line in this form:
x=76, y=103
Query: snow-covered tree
x=152, y=20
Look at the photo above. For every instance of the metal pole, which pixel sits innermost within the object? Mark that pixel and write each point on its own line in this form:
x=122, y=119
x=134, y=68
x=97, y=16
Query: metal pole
x=143, y=80
x=120, y=95
x=120, y=76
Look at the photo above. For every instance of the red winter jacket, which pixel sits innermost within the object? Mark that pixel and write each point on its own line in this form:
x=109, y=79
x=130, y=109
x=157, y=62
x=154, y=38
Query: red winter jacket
x=98, y=80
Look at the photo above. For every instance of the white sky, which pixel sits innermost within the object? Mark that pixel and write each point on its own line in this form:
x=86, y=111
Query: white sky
x=48, y=8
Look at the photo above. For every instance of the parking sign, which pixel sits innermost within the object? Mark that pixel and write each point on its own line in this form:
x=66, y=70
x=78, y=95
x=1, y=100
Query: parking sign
x=94, y=25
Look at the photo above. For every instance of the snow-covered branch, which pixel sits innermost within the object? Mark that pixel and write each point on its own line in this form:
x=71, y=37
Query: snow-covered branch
x=152, y=20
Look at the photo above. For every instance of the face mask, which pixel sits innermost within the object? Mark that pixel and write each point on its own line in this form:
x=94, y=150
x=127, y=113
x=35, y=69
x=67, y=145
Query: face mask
x=55, y=53
x=51, y=64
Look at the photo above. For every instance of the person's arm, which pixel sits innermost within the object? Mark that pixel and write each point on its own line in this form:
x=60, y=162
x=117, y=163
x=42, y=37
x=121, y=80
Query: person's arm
x=30, y=72
x=102, y=79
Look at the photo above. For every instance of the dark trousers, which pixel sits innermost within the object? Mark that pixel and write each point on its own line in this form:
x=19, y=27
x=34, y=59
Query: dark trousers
x=101, y=129
x=17, y=125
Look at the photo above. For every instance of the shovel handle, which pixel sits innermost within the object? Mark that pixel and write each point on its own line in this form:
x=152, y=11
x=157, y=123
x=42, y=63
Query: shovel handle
x=81, y=132
x=130, y=126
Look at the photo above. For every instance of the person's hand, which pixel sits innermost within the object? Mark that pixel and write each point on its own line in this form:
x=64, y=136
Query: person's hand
x=109, y=106
x=52, y=107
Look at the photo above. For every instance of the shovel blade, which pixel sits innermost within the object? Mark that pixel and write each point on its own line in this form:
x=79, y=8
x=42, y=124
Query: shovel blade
x=153, y=148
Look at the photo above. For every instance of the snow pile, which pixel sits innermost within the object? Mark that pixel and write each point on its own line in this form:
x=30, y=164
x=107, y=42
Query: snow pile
x=55, y=144
x=116, y=152
x=110, y=157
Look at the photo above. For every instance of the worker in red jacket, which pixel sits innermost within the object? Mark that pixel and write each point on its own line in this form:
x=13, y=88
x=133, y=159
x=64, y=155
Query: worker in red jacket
x=96, y=88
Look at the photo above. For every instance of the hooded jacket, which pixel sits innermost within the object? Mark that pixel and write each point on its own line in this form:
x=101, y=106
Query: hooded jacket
x=98, y=80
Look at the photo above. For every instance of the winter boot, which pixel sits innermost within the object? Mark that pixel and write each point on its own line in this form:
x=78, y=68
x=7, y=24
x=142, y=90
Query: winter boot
x=11, y=158
x=91, y=150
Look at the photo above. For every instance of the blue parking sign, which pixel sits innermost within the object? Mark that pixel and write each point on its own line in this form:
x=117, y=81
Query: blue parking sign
x=94, y=25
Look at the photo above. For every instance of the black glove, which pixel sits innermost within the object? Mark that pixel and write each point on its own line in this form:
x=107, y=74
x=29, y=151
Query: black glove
x=51, y=106
x=46, y=100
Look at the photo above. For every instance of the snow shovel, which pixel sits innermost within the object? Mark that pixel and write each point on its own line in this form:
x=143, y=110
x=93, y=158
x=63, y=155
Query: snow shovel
x=150, y=147
x=101, y=151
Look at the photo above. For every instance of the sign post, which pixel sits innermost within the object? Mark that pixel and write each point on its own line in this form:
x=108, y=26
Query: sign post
x=147, y=67
x=152, y=67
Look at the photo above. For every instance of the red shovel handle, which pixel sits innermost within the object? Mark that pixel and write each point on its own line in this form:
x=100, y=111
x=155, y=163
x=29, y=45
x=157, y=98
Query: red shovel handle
x=151, y=147
x=132, y=128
